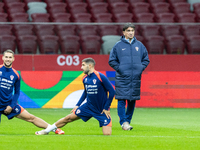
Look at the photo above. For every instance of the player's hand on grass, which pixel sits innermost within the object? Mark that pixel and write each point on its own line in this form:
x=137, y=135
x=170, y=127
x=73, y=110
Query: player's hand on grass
x=107, y=113
x=74, y=109
x=8, y=110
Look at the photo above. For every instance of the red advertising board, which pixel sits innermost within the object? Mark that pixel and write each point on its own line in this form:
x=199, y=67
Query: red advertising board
x=168, y=81
x=73, y=62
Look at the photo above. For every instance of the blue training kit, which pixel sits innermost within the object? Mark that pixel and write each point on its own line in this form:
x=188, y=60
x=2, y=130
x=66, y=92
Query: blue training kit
x=97, y=86
x=9, y=82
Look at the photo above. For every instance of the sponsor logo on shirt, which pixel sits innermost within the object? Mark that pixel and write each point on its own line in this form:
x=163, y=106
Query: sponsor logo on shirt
x=137, y=48
x=0, y=73
x=123, y=49
x=5, y=83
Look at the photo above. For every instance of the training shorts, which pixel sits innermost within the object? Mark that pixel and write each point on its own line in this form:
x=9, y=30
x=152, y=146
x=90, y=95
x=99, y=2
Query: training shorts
x=16, y=111
x=85, y=113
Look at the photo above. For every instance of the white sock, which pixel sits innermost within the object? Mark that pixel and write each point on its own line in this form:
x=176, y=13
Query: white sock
x=50, y=128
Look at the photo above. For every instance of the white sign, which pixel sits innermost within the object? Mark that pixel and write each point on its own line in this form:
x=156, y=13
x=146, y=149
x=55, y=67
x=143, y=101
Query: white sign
x=68, y=60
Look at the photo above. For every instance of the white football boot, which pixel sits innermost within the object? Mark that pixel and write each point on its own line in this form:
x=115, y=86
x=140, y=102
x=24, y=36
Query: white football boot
x=42, y=132
x=126, y=126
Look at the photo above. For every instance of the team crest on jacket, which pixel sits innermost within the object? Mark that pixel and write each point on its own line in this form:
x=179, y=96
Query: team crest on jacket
x=94, y=81
x=11, y=77
x=137, y=48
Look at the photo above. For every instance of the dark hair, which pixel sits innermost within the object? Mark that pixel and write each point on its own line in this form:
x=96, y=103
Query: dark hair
x=127, y=25
x=89, y=60
x=8, y=51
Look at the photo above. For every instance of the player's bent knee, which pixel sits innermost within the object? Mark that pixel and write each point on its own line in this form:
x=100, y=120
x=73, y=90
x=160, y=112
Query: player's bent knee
x=107, y=133
x=107, y=130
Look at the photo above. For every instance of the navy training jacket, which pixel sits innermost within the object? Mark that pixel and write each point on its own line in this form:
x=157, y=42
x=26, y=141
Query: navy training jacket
x=9, y=82
x=129, y=61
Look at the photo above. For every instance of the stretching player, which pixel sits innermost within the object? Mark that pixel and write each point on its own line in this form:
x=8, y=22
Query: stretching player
x=98, y=102
x=9, y=82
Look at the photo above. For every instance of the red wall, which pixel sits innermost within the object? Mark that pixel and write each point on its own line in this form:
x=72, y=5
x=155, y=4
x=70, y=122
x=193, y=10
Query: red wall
x=51, y=62
x=168, y=81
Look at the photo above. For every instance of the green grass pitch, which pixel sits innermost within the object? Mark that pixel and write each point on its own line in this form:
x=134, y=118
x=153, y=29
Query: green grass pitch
x=154, y=129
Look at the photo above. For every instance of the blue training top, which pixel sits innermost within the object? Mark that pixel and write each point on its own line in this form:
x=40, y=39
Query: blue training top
x=9, y=81
x=96, y=91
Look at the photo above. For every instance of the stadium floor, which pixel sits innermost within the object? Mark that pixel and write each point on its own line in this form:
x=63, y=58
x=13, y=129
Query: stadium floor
x=153, y=129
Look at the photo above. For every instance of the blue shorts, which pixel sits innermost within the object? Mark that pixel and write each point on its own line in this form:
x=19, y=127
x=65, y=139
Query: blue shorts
x=85, y=113
x=16, y=111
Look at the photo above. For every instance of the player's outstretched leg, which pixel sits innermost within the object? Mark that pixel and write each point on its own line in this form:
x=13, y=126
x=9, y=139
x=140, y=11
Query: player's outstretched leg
x=60, y=123
x=26, y=116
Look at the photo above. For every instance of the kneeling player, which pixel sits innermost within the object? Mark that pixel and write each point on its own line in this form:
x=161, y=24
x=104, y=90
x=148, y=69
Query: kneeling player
x=98, y=102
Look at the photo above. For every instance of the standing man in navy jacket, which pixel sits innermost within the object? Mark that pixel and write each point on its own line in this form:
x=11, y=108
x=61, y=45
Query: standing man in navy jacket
x=128, y=58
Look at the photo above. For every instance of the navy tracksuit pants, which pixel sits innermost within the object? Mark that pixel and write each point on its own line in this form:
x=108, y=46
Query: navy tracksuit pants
x=125, y=115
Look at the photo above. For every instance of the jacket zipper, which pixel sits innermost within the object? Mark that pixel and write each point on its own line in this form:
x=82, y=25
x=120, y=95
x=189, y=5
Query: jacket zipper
x=131, y=69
